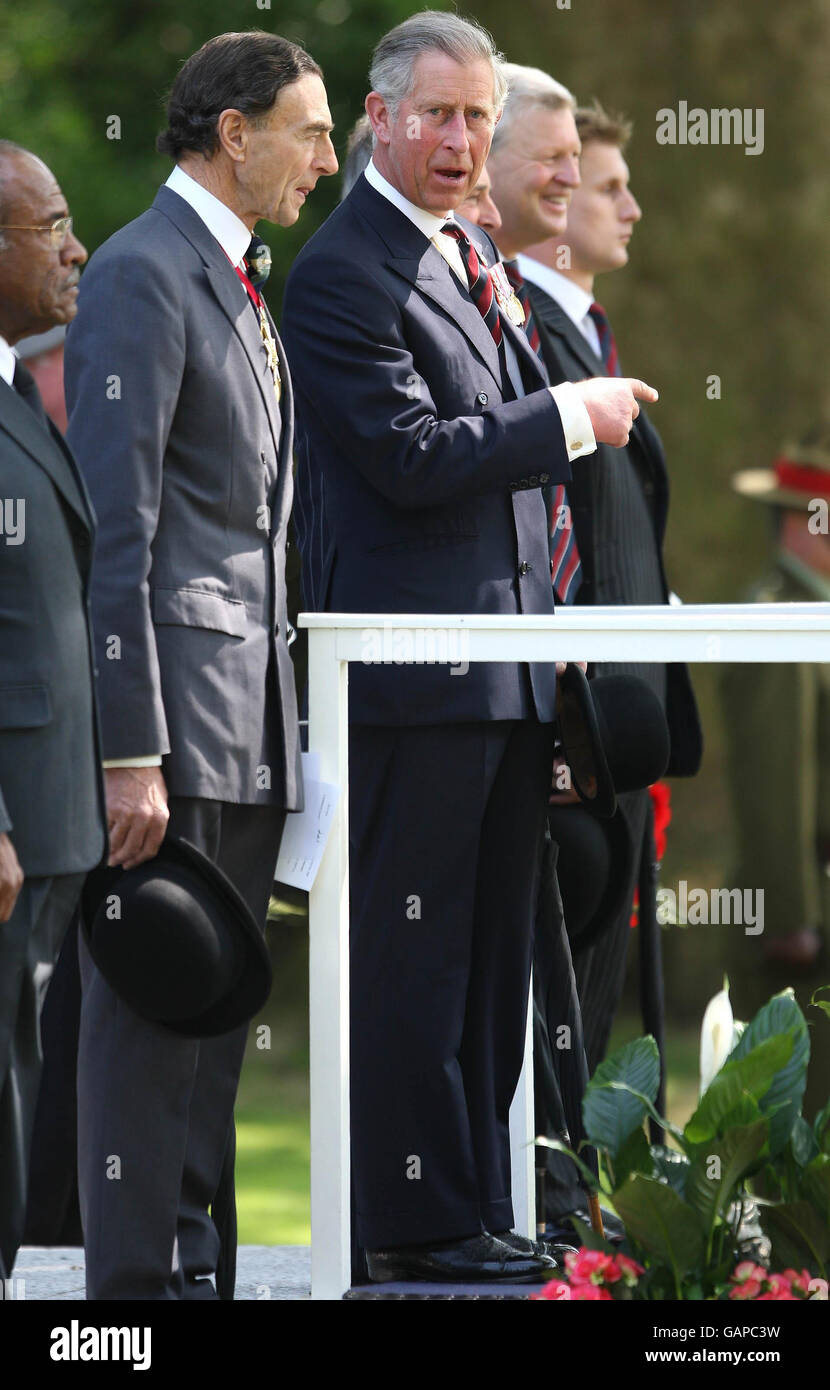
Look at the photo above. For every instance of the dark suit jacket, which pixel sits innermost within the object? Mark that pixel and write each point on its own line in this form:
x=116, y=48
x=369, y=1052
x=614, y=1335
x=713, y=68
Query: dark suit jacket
x=174, y=422
x=609, y=577
x=431, y=471
x=51, y=793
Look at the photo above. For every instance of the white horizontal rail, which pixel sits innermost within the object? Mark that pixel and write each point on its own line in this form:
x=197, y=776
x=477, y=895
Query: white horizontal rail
x=691, y=633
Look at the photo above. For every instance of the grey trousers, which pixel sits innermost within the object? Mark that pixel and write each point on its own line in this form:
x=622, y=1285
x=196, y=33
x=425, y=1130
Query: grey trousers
x=155, y=1109
x=29, y=946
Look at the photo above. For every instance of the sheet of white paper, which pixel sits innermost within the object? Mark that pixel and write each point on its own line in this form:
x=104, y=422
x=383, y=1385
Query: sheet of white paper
x=311, y=766
x=305, y=835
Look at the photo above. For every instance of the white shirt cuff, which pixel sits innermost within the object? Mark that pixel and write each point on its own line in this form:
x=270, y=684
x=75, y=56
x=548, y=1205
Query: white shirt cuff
x=576, y=422
x=150, y=760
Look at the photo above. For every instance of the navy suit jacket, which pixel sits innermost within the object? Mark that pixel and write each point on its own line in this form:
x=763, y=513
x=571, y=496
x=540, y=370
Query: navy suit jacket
x=431, y=469
x=569, y=357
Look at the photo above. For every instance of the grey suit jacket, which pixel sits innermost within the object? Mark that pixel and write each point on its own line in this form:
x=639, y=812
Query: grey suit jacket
x=51, y=794
x=174, y=421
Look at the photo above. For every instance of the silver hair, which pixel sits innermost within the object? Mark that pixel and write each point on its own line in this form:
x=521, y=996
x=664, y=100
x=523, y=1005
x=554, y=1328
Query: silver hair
x=529, y=87
x=358, y=154
x=393, y=62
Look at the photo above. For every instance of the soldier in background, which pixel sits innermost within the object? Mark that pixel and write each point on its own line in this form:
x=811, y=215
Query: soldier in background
x=778, y=721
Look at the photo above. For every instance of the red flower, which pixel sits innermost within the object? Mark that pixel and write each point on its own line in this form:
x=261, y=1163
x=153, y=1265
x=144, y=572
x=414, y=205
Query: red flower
x=783, y=1297
x=591, y=1267
x=629, y=1269
x=747, y=1270
x=590, y=1293
x=555, y=1289
x=799, y=1280
x=660, y=794
x=750, y=1288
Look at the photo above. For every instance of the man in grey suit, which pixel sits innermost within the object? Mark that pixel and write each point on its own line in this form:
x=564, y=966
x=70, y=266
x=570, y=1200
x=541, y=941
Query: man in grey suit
x=181, y=415
x=51, y=791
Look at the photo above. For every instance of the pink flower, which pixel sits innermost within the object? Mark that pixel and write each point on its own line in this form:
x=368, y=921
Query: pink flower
x=778, y=1286
x=747, y=1270
x=590, y=1293
x=629, y=1269
x=555, y=1289
x=592, y=1267
x=799, y=1280
x=784, y=1296
x=750, y=1288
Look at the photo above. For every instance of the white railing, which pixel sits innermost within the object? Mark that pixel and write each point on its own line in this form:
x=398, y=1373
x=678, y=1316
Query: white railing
x=716, y=633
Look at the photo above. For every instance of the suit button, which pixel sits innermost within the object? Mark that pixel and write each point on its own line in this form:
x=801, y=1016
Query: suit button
x=276, y=629
x=482, y=398
x=544, y=478
x=533, y=481
x=525, y=568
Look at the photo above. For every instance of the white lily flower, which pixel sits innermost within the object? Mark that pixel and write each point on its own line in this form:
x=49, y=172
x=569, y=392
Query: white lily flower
x=715, y=1036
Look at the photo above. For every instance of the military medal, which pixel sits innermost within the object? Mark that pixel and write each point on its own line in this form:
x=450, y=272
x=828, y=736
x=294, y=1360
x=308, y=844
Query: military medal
x=506, y=297
x=270, y=348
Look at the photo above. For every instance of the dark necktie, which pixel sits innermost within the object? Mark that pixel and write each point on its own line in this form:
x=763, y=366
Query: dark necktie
x=254, y=271
x=478, y=279
x=24, y=384
x=607, y=342
x=565, y=564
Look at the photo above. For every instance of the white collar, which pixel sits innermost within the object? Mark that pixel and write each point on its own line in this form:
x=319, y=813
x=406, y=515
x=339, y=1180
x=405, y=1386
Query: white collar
x=572, y=298
x=426, y=222
x=221, y=221
x=8, y=361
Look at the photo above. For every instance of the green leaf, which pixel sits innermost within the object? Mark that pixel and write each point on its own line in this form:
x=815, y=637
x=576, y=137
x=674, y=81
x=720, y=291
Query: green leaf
x=815, y=1184
x=736, y=1153
x=662, y=1223
x=672, y=1166
x=821, y=1128
x=556, y=1144
x=816, y=1003
x=798, y=1234
x=611, y=1107
x=633, y=1157
x=740, y=1080
x=803, y=1142
x=781, y=1015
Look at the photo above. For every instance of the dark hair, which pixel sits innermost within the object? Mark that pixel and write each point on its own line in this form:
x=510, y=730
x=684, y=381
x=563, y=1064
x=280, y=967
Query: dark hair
x=245, y=72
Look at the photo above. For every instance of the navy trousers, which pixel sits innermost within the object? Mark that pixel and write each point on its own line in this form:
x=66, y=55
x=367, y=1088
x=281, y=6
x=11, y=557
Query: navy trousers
x=446, y=825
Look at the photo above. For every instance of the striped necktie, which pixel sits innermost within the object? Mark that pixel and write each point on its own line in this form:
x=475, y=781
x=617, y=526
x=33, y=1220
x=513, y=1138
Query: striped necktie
x=481, y=286
x=565, y=564
x=607, y=342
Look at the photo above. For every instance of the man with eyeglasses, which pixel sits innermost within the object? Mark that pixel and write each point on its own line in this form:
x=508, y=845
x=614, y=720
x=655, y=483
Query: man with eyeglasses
x=51, y=792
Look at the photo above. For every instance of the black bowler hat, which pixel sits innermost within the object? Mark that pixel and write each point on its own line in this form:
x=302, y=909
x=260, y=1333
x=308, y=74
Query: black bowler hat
x=174, y=940
x=593, y=869
x=614, y=734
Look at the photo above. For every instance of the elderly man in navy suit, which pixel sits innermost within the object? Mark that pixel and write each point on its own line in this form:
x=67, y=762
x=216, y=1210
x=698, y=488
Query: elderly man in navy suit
x=182, y=418
x=422, y=405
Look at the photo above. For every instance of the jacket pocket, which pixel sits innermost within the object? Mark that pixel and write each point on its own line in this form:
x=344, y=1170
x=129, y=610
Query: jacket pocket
x=200, y=608
x=25, y=706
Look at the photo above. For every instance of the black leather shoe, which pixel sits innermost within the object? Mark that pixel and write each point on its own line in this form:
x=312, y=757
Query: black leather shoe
x=563, y=1229
x=526, y=1246
x=476, y=1260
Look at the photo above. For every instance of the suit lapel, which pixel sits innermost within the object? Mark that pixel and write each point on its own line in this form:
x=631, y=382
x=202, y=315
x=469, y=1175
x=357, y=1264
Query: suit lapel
x=553, y=316
x=227, y=289
x=54, y=458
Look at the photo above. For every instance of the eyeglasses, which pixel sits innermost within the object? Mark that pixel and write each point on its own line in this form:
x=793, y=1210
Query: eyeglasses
x=58, y=232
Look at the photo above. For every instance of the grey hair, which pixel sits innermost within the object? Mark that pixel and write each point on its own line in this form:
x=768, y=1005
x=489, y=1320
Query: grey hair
x=393, y=61
x=8, y=150
x=530, y=87
x=358, y=153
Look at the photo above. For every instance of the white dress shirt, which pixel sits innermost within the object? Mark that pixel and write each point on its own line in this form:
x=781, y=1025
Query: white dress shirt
x=571, y=297
x=8, y=361
x=576, y=423
x=234, y=238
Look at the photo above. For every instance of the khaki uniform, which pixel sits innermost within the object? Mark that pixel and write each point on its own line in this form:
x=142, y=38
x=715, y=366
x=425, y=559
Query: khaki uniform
x=778, y=747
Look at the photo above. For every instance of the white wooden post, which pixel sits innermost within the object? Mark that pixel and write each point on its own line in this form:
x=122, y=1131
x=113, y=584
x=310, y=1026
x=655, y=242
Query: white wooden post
x=329, y=981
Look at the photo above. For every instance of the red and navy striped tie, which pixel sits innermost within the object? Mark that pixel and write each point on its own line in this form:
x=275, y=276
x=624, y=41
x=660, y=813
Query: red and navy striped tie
x=478, y=278
x=565, y=564
x=607, y=342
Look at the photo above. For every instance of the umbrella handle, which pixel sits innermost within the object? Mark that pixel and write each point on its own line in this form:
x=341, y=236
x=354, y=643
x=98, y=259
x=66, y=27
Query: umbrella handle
x=596, y=1214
